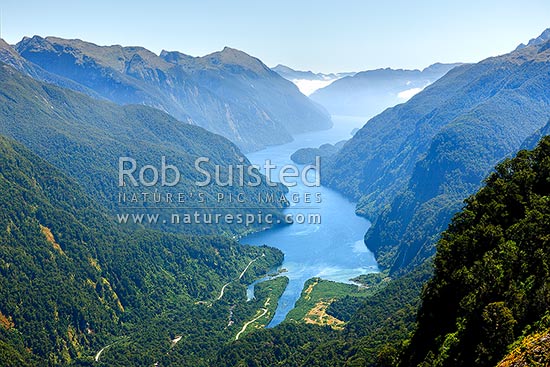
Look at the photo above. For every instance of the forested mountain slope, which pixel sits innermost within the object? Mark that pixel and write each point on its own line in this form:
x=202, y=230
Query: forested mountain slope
x=411, y=166
x=72, y=282
x=85, y=138
x=491, y=278
x=486, y=305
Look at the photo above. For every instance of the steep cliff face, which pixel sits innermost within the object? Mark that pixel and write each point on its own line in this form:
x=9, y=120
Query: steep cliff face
x=491, y=272
x=533, y=351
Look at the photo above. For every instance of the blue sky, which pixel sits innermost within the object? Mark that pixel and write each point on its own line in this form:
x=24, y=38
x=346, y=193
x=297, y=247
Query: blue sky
x=320, y=35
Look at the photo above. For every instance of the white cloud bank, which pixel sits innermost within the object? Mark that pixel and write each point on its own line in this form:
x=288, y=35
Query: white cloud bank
x=407, y=94
x=307, y=86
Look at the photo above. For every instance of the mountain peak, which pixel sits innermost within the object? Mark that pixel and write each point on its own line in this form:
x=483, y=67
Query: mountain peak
x=230, y=49
x=7, y=48
x=233, y=53
x=113, y=56
x=232, y=56
x=9, y=56
x=537, y=50
x=544, y=36
x=176, y=57
x=282, y=68
x=227, y=56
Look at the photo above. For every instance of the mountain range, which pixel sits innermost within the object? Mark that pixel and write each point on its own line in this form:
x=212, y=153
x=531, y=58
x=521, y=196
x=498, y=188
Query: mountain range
x=368, y=93
x=485, y=301
x=57, y=123
x=412, y=177
x=228, y=92
x=460, y=218
x=308, y=81
x=544, y=37
x=9, y=56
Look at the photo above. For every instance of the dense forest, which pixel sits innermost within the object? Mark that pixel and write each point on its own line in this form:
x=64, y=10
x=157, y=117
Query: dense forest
x=57, y=123
x=492, y=269
x=461, y=218
x=72, y=282
x=488, y=299
x=411, y=178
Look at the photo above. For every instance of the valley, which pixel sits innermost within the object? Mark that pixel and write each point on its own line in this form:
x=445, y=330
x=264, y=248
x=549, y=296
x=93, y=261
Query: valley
x=168, y=210
x=333, y=248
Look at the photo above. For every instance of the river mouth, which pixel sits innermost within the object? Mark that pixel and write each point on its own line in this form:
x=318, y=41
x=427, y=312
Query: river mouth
x=331, y=248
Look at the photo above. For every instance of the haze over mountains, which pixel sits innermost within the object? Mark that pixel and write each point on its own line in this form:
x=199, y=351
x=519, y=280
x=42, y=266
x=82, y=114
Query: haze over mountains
x=488, y=302
x=307, y=81
x=57, y=123
x=227, y=92
x=413, y=176
x=370, y=92
x=72, y=283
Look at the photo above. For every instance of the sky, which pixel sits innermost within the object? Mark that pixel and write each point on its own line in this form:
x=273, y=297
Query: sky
x=323, y=36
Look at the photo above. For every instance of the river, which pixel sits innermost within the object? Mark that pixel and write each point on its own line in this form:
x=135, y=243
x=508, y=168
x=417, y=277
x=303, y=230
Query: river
x=332, y=249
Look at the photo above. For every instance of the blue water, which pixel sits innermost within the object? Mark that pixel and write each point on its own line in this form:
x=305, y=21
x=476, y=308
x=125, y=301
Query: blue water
x=334, y=248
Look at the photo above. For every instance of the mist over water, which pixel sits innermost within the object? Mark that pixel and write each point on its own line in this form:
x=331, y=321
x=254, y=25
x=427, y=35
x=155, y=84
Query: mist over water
x=332, y=249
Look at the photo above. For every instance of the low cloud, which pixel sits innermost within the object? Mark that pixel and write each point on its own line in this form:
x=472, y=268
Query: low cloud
x=407, y=94
x=307, y=86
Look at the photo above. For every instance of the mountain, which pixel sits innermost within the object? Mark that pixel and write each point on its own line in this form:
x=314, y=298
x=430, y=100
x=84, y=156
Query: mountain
x=235, y=76
x=544, y=37
x=413, y=165
x=8, y=55
x=289, y=73
x=307, y=81
x=486, y=305
x=228, y=92
x=370, y=92
x=309, y=155
x=58, y=124
x=72, y=282
x=490, y=284
x=532, y=141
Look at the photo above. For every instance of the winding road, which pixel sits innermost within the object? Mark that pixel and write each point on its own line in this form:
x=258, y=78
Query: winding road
x=250, y=263
x=264, y=311
x=176, y=340
x=98, y=355
x=223, y=290
x=239, y=278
